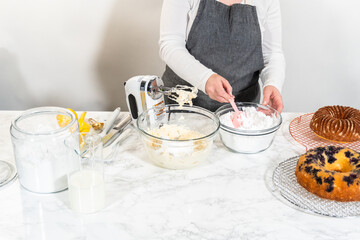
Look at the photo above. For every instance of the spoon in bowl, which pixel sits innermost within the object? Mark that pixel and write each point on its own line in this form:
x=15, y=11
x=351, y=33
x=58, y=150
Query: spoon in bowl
x=236, y=116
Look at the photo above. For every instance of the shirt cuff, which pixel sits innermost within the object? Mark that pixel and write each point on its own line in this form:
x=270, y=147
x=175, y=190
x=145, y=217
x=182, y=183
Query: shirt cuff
x=274, y=84
x=202, y=83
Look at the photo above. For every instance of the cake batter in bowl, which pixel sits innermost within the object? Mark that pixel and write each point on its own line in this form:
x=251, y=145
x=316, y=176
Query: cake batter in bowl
x=178, y=137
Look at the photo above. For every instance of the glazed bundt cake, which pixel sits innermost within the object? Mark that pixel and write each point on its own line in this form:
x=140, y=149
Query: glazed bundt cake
x=337, y=123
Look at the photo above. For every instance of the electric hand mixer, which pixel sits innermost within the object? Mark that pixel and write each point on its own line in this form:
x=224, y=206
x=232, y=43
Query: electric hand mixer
x=145, y=92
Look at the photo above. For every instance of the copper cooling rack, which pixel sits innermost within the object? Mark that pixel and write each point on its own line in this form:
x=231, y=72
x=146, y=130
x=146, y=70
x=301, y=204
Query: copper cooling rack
x=300, y=130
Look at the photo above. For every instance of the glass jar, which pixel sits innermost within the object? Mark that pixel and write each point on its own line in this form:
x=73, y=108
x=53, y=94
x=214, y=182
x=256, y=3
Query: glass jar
x=42, y=158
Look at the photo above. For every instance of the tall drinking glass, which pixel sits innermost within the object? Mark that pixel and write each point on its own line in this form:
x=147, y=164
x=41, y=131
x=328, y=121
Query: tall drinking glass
x=86, y=185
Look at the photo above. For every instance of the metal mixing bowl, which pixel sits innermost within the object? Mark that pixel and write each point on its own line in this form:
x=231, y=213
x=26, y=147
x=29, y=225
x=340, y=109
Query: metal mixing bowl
x=248, y=141
x=172, y=153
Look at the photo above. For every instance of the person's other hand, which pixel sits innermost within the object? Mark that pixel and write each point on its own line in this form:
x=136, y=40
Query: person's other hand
x=272, y=97
x=218, y=88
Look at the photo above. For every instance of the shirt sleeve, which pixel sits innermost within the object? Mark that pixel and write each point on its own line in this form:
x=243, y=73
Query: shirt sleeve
x=173, y=29
x=274, y=60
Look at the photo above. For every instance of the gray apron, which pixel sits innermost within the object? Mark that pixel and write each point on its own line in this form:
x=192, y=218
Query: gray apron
x=226, y=39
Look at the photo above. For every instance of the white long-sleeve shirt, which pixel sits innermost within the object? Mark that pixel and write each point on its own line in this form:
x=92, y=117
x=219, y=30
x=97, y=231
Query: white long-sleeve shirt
x=177, y=18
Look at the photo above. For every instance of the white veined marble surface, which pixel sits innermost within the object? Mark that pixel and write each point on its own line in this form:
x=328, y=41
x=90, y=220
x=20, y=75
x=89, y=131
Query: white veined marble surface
x=224, y=198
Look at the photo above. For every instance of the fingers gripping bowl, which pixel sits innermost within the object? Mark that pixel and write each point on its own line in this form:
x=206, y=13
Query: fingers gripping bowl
x=177, y=137
x=260, y=126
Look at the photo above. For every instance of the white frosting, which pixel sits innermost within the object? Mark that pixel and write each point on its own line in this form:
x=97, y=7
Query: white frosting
x=251, y=119
x=176, y=154
x=175, y=132
x=181, y=95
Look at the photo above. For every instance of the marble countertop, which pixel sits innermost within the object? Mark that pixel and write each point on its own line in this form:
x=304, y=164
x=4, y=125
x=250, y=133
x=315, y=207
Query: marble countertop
x=226, y=197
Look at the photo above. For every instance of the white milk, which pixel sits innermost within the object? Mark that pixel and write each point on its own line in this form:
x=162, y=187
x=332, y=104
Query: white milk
x=86, y=191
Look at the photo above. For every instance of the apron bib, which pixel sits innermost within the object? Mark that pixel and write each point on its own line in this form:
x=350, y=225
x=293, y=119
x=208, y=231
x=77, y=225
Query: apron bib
x=226, y=39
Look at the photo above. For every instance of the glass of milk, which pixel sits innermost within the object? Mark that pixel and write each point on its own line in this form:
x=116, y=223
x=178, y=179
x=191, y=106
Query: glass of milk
x=86, y=185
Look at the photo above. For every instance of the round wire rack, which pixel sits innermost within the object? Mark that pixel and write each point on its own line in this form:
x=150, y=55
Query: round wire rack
x=286, y=187
x=300, y=130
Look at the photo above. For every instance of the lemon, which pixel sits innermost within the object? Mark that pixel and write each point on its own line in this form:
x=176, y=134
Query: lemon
x=82, y=142
x=84, y=127
x=73, y=112
x=63, y=120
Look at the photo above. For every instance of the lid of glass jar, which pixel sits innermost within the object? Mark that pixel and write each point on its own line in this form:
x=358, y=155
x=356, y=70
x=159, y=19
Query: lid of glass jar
x=7, y=173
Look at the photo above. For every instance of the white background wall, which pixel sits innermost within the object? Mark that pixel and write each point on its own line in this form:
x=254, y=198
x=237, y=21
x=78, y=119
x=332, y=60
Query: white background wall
x=321, y=40
x=78, y=53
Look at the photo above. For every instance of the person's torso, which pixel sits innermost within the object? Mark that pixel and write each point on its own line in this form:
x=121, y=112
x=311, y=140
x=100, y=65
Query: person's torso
x=261, y=6
x=226, y=39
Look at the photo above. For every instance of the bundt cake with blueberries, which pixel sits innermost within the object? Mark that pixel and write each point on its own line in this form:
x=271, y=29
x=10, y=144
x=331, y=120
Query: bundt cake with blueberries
x=337, y=123
x=330, y=172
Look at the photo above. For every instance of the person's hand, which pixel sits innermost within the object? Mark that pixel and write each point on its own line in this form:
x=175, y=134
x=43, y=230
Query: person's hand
x=272, y=97
x=218, y=88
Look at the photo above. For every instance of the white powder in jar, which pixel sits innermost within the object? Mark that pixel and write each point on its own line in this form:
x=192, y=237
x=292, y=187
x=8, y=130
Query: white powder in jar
x=251, y=119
